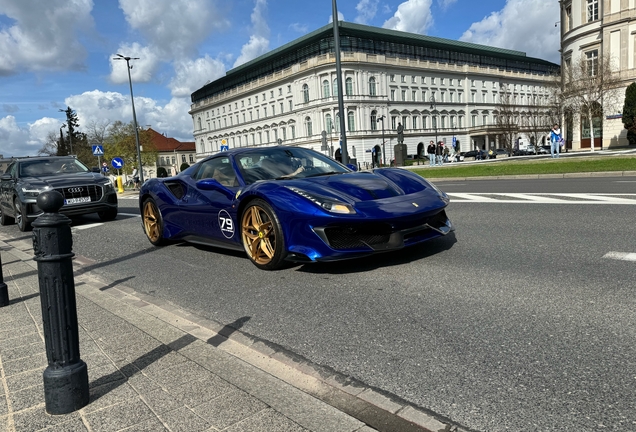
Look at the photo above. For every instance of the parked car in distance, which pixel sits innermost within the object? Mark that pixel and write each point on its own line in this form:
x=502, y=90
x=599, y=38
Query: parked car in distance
x=84, y=191
x=501, y=152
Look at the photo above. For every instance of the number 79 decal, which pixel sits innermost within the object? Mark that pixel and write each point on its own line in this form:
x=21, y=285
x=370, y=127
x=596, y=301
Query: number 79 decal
x=226, y=224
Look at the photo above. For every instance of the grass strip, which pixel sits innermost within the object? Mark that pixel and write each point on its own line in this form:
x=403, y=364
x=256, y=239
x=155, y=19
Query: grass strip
x=524, y=167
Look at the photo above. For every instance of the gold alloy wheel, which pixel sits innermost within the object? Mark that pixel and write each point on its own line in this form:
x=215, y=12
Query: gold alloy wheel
x=259, y=237
x=151, y=221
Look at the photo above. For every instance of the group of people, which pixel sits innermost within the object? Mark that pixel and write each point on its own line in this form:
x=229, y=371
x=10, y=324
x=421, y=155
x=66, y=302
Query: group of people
x=438, y=154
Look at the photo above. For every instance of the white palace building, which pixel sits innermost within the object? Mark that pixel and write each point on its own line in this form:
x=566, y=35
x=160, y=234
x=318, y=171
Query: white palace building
x=289, y=95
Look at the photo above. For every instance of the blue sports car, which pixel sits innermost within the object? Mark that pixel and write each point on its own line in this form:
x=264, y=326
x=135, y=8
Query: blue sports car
x=292, y=204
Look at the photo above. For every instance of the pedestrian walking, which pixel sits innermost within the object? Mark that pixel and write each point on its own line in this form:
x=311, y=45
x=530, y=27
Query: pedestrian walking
x=555, y=141
x=439, y=153
x=446, y=154
x=430, y=150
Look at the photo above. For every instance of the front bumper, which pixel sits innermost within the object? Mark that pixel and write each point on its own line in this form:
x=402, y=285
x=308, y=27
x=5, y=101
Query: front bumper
x=107, y=201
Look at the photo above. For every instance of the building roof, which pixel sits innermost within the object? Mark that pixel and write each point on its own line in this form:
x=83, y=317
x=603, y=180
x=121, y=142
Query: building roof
x=374, y=40
x=165, y=144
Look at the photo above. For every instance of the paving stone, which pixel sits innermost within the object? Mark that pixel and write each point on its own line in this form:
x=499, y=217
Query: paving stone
x=103, y=375
x=177, y=375
x=184, y=420
x=17, y=336
x=119, y=416
x=27, y=398
x=202, y=390
x=25, y=380
x=229, y=408
x=153, y=425
x=266, y=421
x=4, y=408
x=109, y=394
x=38, y=361
x=72, y=426
x=161, y=401
x=23, y=351
x=37, y=418
x=143, y=384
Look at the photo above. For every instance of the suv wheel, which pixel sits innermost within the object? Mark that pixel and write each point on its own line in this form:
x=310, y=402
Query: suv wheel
x=4, y=219
x=20, y=216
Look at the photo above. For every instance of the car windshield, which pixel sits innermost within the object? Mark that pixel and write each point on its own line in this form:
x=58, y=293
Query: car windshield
x=280, y=163
x=51, y=167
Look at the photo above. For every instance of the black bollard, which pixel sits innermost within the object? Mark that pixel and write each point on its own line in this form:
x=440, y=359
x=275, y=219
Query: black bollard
x=66, y=377
x=4, y=292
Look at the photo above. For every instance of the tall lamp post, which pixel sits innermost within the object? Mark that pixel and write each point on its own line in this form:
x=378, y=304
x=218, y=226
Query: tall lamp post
x=381, y=119
x=132, y=99
x=433, y=109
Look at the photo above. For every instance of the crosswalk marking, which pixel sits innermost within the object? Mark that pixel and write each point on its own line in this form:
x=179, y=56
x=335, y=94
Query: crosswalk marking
x=543, y=198
x=623, y=256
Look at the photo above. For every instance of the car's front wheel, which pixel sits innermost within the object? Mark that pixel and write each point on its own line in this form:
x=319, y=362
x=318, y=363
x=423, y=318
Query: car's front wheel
x=20, y=216
x=4, y=219
x=153, y=223
x=107, y=215
x=262, y=236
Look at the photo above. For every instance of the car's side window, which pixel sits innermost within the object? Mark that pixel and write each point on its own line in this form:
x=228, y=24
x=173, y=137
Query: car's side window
x=219, y=169
x=12, y=169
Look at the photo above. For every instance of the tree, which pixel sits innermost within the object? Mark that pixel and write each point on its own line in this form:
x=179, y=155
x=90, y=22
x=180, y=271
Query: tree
x=184, y=166
x=120, y=142
x=629, y=113
x=507, y=119
x=589, y=87
x=161, y=172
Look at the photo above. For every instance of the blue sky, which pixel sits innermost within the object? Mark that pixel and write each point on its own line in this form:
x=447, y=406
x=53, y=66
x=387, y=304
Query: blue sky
x=58, y=53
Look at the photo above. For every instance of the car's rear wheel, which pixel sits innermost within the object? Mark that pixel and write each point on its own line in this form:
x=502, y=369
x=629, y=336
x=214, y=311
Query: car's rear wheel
x=262, y=236
x=20, y=216
x=153, y=223
x=4, y=219
x=107, y=215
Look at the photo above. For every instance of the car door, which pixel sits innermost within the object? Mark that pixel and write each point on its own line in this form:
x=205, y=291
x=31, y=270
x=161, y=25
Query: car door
x=209, y=213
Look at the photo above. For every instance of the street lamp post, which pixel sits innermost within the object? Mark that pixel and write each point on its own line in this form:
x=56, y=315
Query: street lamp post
x=132, y=99
x=381, y=119
x=434, y=119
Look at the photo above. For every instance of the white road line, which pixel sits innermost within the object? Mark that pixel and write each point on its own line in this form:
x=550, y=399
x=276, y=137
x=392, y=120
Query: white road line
x=87, y=226
x=542, y=198
x=129, y=214
x=623, y=256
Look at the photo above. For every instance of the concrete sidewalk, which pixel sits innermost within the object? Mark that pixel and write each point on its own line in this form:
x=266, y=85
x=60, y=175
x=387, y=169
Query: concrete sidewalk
x=154, y=367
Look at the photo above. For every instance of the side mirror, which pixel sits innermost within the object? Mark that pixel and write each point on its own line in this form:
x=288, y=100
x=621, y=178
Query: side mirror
x=95, y=170
x=6, y=177
x=210, y=184
x=352, y=167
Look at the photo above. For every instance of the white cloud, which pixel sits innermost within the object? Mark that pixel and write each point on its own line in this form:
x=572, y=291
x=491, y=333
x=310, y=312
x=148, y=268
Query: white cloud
x=193, y=74
x=524, y=25
x=173, y=28
x=259, y=40
x=43, y=35
x=445, y=4
x=413, y=16
x=366, y=10
x=15, y=140
x=300, y=28
x=341, y=17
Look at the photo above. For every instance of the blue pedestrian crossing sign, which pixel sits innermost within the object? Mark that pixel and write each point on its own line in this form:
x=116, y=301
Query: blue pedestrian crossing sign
x=225, y=147
x=117, y=163
x=98, y=150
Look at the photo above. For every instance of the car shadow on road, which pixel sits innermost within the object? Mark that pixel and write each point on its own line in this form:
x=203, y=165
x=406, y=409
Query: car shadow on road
x=379, y=260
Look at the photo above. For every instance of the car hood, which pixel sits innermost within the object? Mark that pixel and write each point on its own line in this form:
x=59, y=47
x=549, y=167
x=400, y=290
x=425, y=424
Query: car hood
x=364, y=186
x=58, y=181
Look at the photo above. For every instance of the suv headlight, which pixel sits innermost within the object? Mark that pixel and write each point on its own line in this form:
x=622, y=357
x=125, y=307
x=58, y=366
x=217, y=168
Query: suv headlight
x=329, y=204
x=34, y=192
x=109, y=185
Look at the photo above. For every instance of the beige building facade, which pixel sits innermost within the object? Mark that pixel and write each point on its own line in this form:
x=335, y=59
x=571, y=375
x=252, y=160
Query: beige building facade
x=592, y=30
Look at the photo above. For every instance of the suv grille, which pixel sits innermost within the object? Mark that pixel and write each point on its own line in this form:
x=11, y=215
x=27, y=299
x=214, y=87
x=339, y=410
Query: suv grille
x=93, y=191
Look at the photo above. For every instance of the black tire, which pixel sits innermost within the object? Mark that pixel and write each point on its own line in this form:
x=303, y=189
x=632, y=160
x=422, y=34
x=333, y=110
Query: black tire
x=262, y=236
x=20, y=216
x=153, y=223
x=5, y=220
x=107, y=215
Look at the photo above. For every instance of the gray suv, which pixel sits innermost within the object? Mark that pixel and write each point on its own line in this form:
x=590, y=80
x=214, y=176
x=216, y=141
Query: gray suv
x=84, y=191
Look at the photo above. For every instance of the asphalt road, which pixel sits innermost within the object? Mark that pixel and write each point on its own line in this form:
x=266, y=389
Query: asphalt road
x=516, y=322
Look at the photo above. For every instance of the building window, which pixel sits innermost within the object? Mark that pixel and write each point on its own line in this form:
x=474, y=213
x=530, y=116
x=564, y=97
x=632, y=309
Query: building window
x=162, y=161
x=424, y=122
x=393, y=122
x=325, y=88
x=308, y=126
x=337, y=125
x=183, y=158
x=592, y=10
x=284, y=131
x=191, y=158
x=423, y=95
x=392, y=78
x=305, y=93
x=281, y=107
x=413, y=79
x=351, y=125
x=474, y=120
x=335, y=87
x=374, y=120
x=293, y=131
x=266, y=136
x=443, y=122
x=265, y=112
x=461, y=121
x=199, y=121
x=485, y=120
x=403, y=78
x=291, y=105
x=392, y=94
x=372, y=91
x=591, y=62
x=328, y=123
x=288, y=89
x=414, y=95
x=403, y=95
x=349, y=87
x=414, y=119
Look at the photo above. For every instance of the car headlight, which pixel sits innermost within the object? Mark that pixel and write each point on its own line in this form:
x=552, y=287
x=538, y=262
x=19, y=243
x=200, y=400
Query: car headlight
x=329, y=204
x=34, y=192
x=109, y=185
